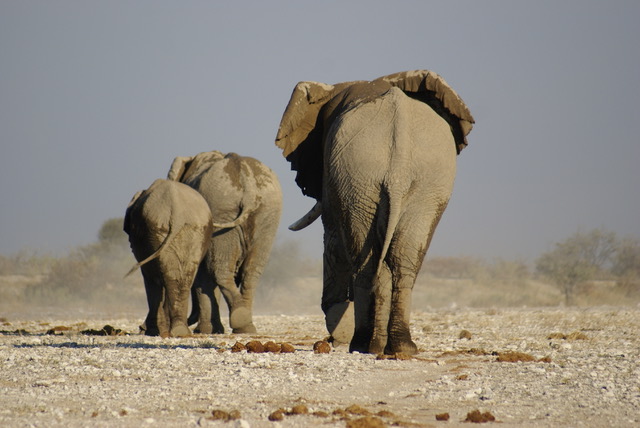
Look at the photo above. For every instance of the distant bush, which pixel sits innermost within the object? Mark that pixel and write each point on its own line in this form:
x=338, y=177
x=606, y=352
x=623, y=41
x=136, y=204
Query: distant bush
x=92, y=273
x=585, y=257
x=25, y=263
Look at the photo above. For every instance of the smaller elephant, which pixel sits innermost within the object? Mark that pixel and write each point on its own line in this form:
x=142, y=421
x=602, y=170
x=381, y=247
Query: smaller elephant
x=169, y=227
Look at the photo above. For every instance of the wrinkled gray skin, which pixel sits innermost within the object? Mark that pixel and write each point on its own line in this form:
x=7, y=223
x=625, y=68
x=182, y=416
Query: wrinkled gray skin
x=169, y=227
x=246, y=202
x=380, y=159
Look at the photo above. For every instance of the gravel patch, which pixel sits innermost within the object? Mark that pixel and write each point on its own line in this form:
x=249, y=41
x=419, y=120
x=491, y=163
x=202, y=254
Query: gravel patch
x=524, y=367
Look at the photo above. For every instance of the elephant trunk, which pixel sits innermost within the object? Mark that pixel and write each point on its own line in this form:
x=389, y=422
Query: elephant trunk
x=308, y=218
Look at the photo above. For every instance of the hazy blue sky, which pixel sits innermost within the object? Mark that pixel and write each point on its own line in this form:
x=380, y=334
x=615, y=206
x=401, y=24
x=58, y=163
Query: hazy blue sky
x=97, y=98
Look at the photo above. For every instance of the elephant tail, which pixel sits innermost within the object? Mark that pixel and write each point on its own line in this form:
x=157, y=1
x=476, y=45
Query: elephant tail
x=395, y=211
x=166, y=241
x=242, y=217
x=249, y=202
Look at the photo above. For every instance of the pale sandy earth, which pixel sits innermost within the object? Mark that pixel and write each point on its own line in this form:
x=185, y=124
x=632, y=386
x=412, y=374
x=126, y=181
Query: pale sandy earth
x=591, y=377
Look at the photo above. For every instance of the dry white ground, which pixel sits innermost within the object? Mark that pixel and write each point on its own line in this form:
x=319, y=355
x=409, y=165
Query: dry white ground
x=585, y=372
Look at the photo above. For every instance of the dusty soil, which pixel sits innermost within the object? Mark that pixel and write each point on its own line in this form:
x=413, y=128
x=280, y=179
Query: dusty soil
x=516, y=367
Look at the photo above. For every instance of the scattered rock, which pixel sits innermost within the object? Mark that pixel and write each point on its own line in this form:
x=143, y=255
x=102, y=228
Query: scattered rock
x=442, y=417
x=271, y=346
x=278, y=415
x=514, y=357
x=366, y=422
x=477, y=417
x=465, y=334
x=219, y=415
x=238, y=347
x=321, y=347
x=287, y=348
x=255, y=346
x=299, y=409
x=354, y=409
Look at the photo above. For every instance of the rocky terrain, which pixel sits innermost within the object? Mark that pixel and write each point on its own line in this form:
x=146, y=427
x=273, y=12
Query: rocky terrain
x=517, y=367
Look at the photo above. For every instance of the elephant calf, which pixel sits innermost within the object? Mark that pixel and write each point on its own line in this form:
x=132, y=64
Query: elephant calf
x=169, y=227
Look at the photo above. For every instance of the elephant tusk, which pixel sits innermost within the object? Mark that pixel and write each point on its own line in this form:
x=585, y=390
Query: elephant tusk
x=308, y=218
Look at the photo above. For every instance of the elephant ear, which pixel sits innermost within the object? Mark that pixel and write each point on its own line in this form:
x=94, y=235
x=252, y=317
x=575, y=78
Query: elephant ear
x=126, y=224
x=429, y=87
x=300, y=134
x=178, y=167
x=300, y=117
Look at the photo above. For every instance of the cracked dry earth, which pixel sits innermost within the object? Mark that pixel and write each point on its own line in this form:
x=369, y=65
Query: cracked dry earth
x=519, y=367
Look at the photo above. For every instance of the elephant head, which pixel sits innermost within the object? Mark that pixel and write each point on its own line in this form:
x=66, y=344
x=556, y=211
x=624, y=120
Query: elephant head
x=313, y=105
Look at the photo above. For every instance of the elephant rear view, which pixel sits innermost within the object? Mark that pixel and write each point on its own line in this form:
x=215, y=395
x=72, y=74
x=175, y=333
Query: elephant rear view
x=169, y=227
x=246, y=202
x=379, y=157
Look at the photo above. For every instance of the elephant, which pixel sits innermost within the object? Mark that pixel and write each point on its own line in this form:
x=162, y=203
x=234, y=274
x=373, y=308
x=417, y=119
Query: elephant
x=379, y=158
x=169, y=227
x=245, y=200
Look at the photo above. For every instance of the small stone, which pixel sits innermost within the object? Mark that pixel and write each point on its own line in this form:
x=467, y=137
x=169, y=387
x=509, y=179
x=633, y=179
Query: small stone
x=287, y=348
x=299, y=409
x=475, y=416
x=278, y=415
x=321, y=347
x=219, y=415
x=366, y=422
x=465, y=334
x=514, y=357
x=238, y=347
x=255, y=346
x=442, y=417
x=354, y=409
x=272, y=347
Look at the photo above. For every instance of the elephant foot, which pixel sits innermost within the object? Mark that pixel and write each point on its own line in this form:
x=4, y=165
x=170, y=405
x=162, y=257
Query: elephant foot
x=401, y=347
x=180, y=331
x=149, y=331
x=209, y=328
x=240, y=320
x=377, y=345
x=204, y=328
x=247, y=329
x=340, y=322
x=360, y=342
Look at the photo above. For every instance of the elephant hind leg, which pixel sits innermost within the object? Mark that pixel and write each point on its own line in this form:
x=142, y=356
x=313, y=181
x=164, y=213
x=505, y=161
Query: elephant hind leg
x=382, y=298
x=399, y=331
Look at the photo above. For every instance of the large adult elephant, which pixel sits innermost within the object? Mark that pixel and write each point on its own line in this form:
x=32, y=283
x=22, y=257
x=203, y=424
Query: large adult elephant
x=246, y=202
x=380, y=159
x=169, y=227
